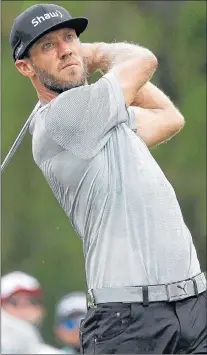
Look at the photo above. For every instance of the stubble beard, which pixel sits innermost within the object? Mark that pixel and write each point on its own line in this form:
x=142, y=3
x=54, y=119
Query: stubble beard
x=59, y=86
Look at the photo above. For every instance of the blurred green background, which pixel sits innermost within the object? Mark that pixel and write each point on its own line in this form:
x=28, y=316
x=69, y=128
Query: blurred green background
x=36, y=235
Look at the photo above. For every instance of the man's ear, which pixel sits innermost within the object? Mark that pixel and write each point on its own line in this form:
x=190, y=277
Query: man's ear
x=25, y=67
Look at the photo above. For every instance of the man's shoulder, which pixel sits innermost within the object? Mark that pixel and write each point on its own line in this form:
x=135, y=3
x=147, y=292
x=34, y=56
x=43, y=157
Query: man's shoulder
x=73, y=97
x=84, y=94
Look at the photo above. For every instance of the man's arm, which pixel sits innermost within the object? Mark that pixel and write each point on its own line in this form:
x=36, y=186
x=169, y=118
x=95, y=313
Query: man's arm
x=132, y=65
x=156, y=117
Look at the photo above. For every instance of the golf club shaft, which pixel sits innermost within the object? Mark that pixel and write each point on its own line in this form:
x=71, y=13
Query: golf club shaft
x=15, y=145
x=18, y=140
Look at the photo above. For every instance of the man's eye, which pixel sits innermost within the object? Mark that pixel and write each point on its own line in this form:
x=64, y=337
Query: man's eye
x=69, y=37
x=47, y=45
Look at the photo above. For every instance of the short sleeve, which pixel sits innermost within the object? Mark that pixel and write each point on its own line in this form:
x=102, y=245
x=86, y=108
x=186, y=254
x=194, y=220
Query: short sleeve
x=131, y=121
x=82, y=119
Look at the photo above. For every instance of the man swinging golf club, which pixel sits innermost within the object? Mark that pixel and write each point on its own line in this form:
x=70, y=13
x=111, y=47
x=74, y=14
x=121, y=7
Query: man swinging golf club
x=147, y=292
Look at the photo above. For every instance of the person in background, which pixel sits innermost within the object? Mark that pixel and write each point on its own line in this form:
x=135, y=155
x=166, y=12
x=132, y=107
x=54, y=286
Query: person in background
x=69, y=312
x=18, y=336
x=21, y=314
x=21, y=296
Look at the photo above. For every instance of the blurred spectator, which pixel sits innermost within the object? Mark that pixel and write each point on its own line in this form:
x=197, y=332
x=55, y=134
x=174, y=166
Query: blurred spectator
x=21, y=296
x=20, y=337
x=69, y=312
x=22, y=311
x=17, y=336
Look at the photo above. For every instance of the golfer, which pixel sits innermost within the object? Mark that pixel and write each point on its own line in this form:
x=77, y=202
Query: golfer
x=91, y=142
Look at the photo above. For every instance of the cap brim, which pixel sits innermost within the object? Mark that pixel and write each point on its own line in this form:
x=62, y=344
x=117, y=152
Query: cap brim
x=78, y=24
x=35, y=291
x=67, y=315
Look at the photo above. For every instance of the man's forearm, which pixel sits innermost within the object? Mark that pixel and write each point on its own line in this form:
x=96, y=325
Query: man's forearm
x=157, y=119
x=103, y=56
x=151, y=97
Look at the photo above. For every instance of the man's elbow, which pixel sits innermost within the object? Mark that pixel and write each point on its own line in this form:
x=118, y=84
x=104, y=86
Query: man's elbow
x=147, y=60
x=179, y=120
x=151, y=59
x=176, y=119
x=154, y=61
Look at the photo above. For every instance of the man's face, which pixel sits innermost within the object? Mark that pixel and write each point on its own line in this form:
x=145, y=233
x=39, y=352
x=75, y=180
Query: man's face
x=57, y=60
x=25, y=306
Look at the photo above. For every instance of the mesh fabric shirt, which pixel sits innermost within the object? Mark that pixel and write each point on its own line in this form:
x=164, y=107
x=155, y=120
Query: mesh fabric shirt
x=113, y=191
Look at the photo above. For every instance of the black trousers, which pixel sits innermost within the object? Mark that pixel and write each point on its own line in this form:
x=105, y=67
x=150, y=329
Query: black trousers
x=159, y=328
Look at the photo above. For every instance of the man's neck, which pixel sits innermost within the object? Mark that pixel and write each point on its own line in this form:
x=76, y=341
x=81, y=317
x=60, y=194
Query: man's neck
x=46, y=97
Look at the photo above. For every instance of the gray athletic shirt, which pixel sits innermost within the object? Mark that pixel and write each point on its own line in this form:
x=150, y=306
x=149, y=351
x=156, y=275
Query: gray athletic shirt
x=112, y=189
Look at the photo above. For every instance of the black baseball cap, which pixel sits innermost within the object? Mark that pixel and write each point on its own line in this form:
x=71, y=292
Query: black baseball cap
x=38, y=20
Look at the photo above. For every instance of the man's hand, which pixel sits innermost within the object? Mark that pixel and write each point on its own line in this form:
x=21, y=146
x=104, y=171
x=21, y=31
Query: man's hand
x=90, y=52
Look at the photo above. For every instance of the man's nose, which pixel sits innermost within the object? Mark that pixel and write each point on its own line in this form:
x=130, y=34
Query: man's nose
x=64, y=50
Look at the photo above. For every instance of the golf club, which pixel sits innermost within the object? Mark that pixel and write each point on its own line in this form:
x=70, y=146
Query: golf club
x=18, y=139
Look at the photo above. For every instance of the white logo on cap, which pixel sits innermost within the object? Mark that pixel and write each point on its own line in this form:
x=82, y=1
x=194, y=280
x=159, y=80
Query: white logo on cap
x=18, y=50
x=39, y=19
